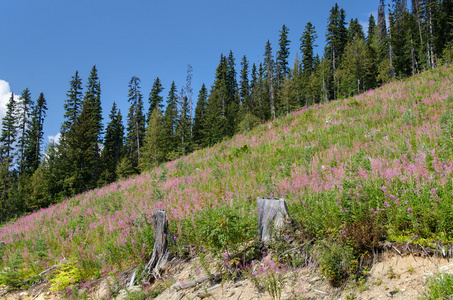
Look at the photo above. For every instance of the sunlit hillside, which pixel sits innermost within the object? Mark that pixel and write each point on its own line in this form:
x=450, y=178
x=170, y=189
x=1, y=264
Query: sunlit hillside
x=378, y=166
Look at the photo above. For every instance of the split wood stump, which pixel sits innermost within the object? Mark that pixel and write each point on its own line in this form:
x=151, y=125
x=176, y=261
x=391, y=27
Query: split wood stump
x=272, y=215
x=160, y=250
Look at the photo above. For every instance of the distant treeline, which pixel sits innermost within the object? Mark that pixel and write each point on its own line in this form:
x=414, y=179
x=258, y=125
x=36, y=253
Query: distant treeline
x=88, y=156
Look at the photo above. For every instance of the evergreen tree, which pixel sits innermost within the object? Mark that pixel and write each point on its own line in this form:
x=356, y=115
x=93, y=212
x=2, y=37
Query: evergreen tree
x=336, y=39
x=232, y=108
x=183, y=128
x=307, y=45
x=283, y=54
x=371, y=31
x=135, y=122
x=24, y=107
x=355, y=30
x=217, y=105
x=73, y=103
x=152, y=153
x=170, y=123
x=9, y=131
x=269, y=78
x=113, y=146
x=155, y=99
x=199, y=128
x=244, y=88
x=35, y=136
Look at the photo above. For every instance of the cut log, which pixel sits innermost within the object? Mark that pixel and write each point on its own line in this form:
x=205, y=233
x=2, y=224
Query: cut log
x=272, y=215
x=160, y=250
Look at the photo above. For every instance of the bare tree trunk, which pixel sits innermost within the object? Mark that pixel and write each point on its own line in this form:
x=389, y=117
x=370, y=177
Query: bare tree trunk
x=160, y=249
x=272, y=215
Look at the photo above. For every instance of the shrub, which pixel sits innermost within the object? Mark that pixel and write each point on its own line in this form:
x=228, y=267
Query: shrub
x=439, y=286
x=13, y=275
x=66, y=275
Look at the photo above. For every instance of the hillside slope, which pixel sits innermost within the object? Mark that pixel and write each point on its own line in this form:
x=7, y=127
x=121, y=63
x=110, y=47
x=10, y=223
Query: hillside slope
x=355, y=172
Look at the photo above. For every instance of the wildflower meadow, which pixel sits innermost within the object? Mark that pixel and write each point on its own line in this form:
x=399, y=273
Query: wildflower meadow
x=360, y=171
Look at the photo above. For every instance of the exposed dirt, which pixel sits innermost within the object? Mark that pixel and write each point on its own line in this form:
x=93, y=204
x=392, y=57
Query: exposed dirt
x=395, y=277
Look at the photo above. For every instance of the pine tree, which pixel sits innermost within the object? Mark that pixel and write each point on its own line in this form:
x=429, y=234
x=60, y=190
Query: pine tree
x=244, y=88
x=232, y=96
x=371, y=31
x=152, y=153
x=199, y=128
x=183, y=128
x=355, y=30
x=24, y=107
x=307, y=45
x=90, y=129
x=269, y=78
x=155, y=99
x=135, y=122
x=73, y=103
x=113, y=146
x=9, y=131
x=283, y=54
x=35, y=136
x=336, y=39
x=170, y=123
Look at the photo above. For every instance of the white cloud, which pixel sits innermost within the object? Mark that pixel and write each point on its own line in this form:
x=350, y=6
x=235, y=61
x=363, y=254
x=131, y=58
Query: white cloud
x=54, y=138
x=5, y=94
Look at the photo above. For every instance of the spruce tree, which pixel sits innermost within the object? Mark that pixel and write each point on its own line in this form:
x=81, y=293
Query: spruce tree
x=9, y=133
x=269, y=77
x=155, y=99
x=183, y=128
x=200, y=118
x=152, y=153
x=24, y=108
x=244, y=88
x=307, y=45
x=283, y=54
x=232, y=95
x=35, y=136
x=170, y=122
x=113, y=146
x=135, y=122
x=73, y=103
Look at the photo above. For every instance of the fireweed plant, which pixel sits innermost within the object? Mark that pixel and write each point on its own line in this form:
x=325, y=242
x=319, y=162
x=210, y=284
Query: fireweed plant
x=378, y=165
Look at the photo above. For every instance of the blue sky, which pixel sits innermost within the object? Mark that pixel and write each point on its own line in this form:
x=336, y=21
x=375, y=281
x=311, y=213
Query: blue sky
x=44, y=42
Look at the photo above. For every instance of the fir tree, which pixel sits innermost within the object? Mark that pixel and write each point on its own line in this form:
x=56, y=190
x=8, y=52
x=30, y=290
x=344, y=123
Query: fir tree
x=24, y=107
x=155, y=99
x=269, y=78
x=73, y=103
x=9, y=133
x=244, y=88
x=135, y=122
x=152, y=153
x=35, y=136
x=183, y=128
x=199, y=128
x=307, y=46
x=113, y=145
x=283, y=54
x=170, y=123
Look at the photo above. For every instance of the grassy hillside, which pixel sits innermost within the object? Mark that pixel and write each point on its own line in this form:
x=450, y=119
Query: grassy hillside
x=355, y=172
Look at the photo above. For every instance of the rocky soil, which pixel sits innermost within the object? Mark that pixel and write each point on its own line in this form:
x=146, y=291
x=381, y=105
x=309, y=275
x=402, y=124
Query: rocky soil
x=395, y=277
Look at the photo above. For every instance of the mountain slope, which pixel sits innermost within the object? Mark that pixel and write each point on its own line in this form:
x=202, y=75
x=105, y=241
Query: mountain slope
x=355, y=172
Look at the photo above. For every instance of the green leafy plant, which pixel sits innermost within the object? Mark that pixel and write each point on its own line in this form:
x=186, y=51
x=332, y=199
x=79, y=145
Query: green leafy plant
x=14, y=274
x=439, y=286
x=66, y=275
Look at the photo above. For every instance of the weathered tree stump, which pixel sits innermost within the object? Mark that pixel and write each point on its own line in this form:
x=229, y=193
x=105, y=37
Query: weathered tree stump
x=272, y=215
x=160, y=250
